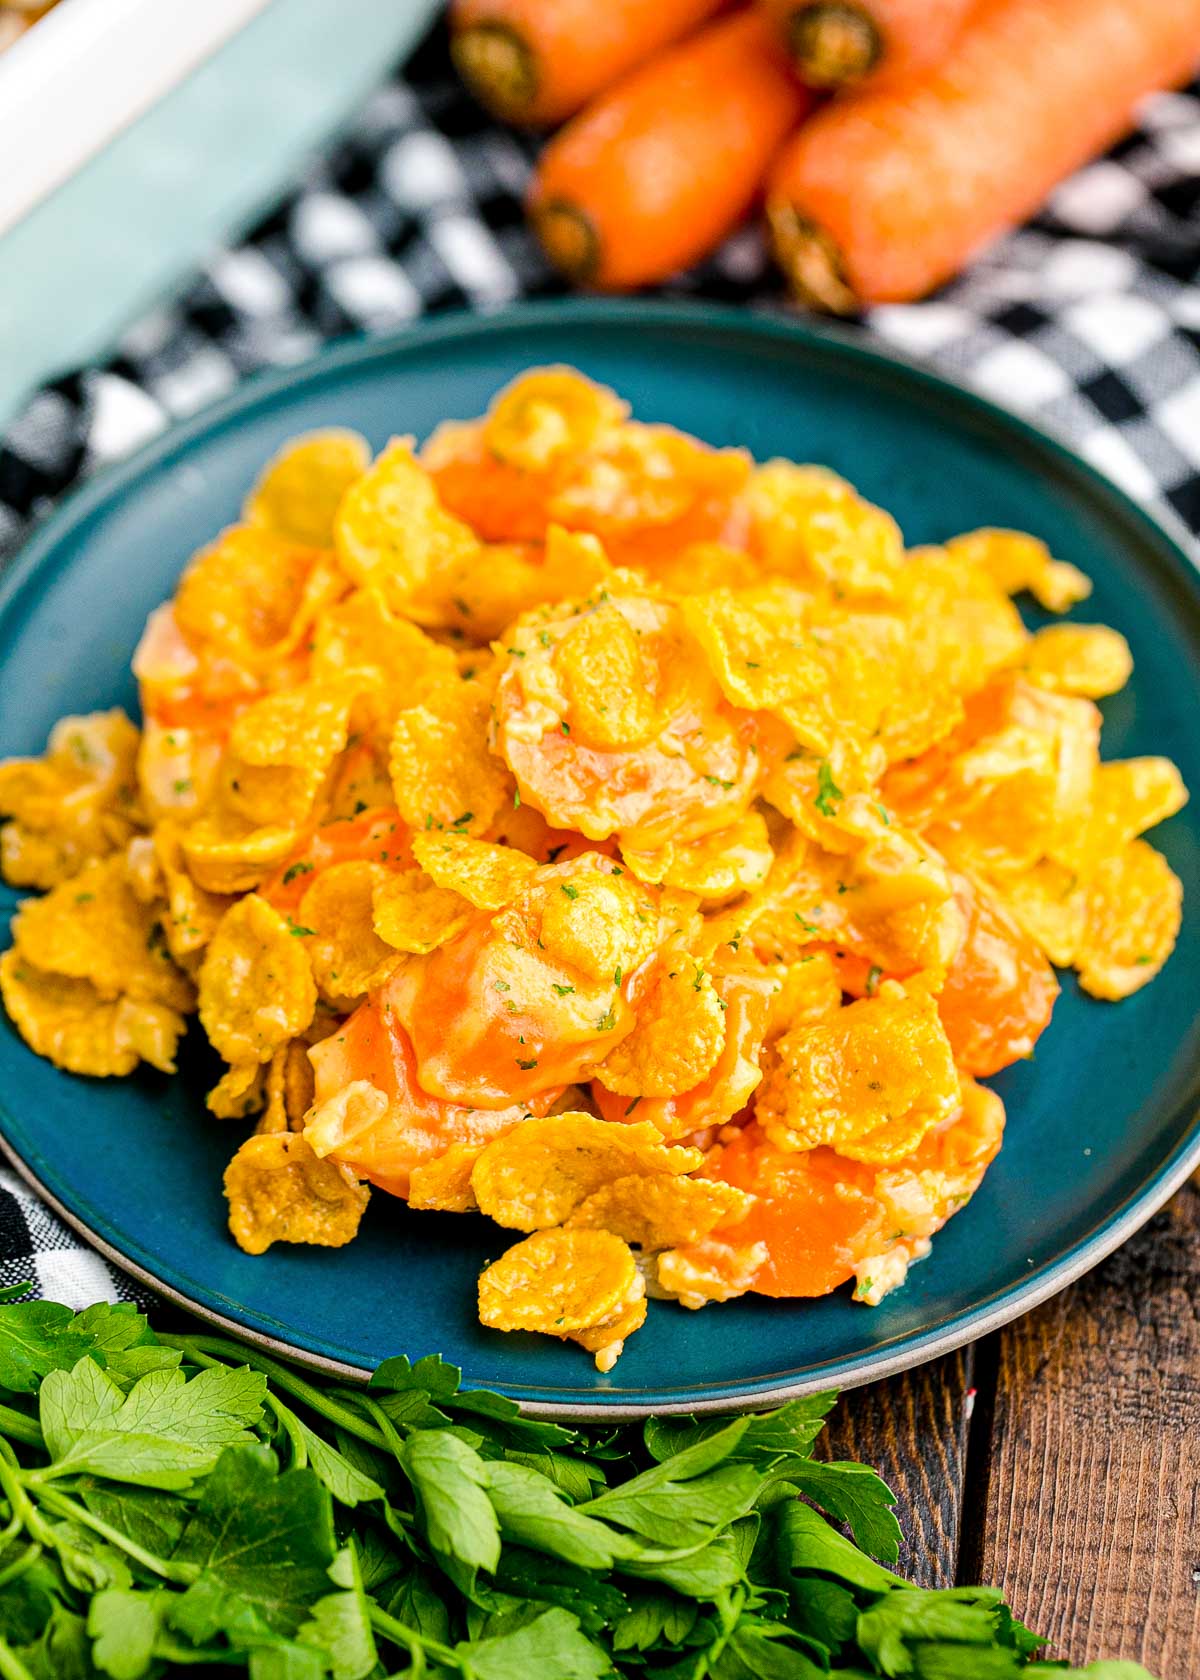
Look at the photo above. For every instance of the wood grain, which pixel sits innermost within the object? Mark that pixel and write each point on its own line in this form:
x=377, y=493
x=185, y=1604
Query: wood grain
x=913, y=1431
x=1086, y=1506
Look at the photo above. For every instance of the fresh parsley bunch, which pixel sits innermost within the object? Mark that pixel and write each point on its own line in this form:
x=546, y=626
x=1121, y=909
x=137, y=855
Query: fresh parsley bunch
x=172, y=1502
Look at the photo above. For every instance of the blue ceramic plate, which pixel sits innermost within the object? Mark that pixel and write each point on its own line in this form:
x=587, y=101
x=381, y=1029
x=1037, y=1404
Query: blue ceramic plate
x=1102, y=1124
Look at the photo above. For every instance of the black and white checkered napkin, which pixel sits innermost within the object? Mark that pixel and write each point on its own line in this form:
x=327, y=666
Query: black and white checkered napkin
x=1087, y=319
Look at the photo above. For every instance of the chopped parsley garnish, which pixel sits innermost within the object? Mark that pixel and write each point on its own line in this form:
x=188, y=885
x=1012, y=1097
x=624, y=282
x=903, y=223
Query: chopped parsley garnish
x=829, y=794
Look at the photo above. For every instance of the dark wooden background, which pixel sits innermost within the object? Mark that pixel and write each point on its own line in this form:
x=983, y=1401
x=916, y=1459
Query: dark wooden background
x=1060, y=1458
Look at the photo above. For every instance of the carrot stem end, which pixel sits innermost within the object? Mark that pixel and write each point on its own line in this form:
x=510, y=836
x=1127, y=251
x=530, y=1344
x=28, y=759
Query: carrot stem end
x=498, y=67
x=811, y=262
x=833, y=43
x=568, y=236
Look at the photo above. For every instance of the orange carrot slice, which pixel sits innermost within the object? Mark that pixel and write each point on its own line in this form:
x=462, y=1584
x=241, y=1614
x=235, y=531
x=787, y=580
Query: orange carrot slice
x=886, y=194
x=1000, y=991
x=537, y=61
x=666, y=163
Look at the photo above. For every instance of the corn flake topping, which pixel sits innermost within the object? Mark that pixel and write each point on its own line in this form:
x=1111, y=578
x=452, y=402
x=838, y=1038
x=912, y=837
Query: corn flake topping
x=579, y=826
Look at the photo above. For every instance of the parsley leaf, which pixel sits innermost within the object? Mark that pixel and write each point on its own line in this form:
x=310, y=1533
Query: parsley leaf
x=449, y=1479
x=534, y=1512
x=38, y=1337
x=598, y=1604
x=654, y=1616
x=807, y=1541
x=953, y=1616
x=433, y=1376
x=152, y=1520
x=418, y=1604
x=164, y=1433
x=790, y=1429
x=853, y=1494
x=683, y=1500
x=124, y=1627
x=553, y=1643
x=346, y=1482
x=340, y=1625
x=262, y=1544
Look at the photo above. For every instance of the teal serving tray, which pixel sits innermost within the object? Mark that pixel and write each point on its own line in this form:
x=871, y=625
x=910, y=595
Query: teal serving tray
x=1102, y=1122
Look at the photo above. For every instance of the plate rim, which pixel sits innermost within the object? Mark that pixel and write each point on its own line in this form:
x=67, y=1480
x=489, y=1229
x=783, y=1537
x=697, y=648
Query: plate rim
x=1017, y=1300
x=1167, y=539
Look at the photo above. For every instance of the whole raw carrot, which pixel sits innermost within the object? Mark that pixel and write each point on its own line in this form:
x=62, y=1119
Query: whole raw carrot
x=538, y=61
x=838, y=43
x=661, y=167
x=886, y=194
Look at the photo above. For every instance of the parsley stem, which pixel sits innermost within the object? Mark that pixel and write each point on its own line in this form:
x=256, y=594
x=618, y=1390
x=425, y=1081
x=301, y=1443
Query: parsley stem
x=19, y=1501
x=323, y=1404
x=291, y=1428
x=167, y=1649
x=20, y=1564
x=11, y=1666
x=730, y=1613
x=384, y=1423
x=182, y=1573
x=401, y=1634
x=20, y=1427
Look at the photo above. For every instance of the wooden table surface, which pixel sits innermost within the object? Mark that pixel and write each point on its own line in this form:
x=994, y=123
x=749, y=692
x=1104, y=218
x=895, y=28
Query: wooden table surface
x=1059, y=1459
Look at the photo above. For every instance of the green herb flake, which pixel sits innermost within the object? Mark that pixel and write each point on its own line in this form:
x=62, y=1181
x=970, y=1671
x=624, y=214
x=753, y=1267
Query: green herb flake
x=829, y=794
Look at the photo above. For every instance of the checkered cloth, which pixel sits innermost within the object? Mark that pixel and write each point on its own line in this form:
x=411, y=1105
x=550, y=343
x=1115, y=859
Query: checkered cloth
x=1088, y=319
